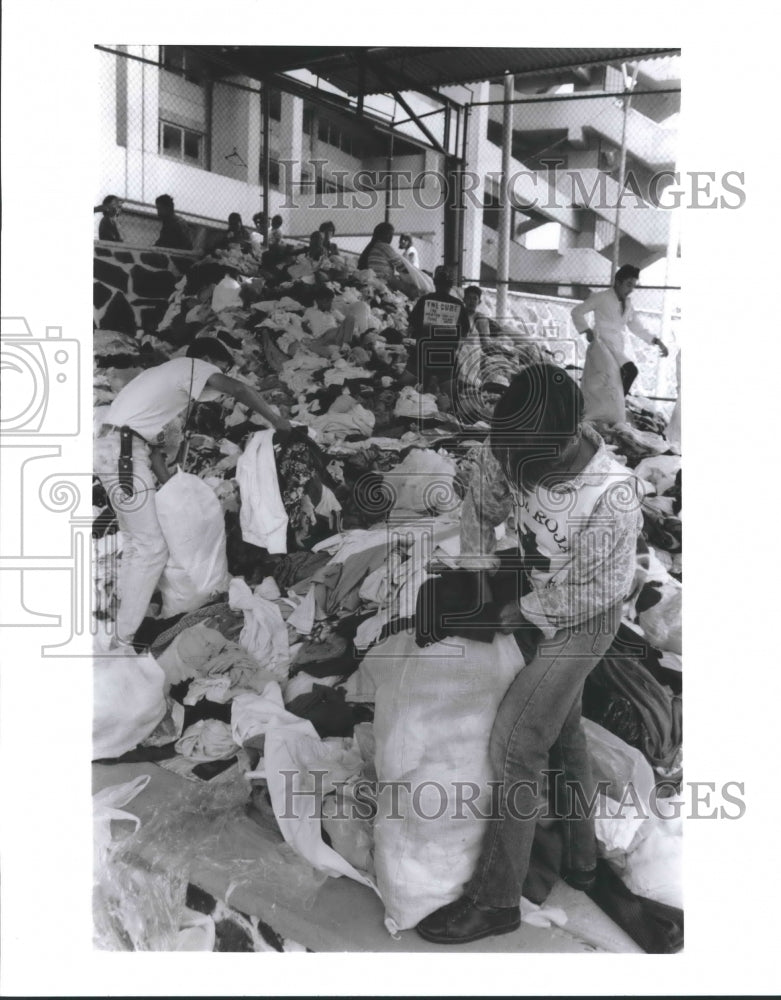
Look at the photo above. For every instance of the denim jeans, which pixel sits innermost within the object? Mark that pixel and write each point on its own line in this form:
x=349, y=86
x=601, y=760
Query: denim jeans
x=537, y=728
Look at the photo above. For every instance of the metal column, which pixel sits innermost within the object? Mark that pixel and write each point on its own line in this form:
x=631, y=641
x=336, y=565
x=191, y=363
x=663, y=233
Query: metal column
x=505, y=209
x=265, y=107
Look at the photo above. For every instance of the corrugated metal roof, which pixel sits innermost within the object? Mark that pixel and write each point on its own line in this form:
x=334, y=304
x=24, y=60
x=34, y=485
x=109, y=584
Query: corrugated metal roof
x=438, y=67
x=380, y=70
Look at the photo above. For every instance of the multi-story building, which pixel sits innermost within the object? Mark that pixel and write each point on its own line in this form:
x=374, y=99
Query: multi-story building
x=174, y=122
x=169, y=126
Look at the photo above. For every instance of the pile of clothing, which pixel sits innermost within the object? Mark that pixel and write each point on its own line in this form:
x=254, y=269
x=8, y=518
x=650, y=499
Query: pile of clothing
x=328, y=534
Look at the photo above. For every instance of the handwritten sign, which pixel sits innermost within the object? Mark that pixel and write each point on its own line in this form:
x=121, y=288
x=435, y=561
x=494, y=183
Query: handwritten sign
x=437, y=313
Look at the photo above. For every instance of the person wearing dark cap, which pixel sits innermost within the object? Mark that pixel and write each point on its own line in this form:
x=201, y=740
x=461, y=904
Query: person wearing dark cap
x=576, y=566
x=438, y=323
x=130, y=464
x=174, y=232
x=614, y=316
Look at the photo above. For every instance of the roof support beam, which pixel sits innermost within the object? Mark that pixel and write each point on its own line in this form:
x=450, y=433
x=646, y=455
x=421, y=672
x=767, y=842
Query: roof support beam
x=387, y=76
x=394, y=80
x=423, y=128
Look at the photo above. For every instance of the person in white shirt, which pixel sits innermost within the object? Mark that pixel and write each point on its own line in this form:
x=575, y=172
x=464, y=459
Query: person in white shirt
x=275, y=233
x=408, y=251
x=327, y=326
x=256, y=234
x=614, y=315
x=130, y=464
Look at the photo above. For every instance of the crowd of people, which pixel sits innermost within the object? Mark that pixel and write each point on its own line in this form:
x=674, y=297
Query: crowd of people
x=577, y=559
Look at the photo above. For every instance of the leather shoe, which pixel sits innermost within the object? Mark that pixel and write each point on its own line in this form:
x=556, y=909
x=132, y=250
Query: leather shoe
x=582, y=880
x=463, y=921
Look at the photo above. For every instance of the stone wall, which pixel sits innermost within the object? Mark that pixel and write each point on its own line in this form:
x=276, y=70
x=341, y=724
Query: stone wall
x=132, y=285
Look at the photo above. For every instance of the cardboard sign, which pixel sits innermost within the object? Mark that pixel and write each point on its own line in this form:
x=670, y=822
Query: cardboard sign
x=438, y=314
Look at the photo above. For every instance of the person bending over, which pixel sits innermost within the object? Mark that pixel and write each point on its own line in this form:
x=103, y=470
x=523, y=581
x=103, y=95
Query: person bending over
x=130, y=464
x=578, y=516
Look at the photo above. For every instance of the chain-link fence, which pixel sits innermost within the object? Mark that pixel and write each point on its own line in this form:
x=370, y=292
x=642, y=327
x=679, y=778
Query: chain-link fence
x=173, y=123
x=236, y=155
x=585, y=160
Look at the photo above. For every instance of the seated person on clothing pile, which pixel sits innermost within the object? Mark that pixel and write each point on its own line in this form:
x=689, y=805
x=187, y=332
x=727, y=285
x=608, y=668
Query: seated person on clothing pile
x=438, y=324
x=237, y=235
x=108, y=230
x=328, y=229
x=275, y=233
x=174, y=231
x=314, y=259
x=130, y=463
x=473, y=403
x=328, y=328
x=386, y=355
x=256, y=235
x=578, y=561
x=386, y=262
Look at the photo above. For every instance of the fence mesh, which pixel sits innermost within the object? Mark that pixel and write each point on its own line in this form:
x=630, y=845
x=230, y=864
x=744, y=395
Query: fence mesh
x=173, y=123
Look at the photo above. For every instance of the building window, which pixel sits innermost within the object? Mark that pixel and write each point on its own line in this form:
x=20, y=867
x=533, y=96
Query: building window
x=330, y=185
x=182, y=61
x=274, y=173
x=309, y=114
x=275, y=104
x=180, y=143
x=338, y=137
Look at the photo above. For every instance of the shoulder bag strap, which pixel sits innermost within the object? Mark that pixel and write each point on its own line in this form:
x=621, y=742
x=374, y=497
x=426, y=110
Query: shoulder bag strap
x=184, y=447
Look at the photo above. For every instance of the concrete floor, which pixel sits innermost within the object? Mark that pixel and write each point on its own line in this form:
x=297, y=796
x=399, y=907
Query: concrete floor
x=346, y=916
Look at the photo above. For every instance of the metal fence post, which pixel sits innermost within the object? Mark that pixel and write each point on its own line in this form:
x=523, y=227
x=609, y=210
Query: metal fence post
x=505, y=209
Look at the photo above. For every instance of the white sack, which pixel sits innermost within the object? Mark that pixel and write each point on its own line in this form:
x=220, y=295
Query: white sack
x=193, y=527
x=434, y=711
x=601, y=386
x=128, y=703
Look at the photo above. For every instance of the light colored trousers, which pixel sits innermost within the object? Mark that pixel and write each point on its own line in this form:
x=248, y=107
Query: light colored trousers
x=144, y=551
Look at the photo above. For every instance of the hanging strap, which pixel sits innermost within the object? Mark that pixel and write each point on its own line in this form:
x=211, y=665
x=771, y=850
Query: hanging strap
x=184, y=447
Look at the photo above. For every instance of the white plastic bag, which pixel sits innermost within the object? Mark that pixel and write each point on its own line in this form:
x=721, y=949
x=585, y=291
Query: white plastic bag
x=128, y=703
x=264, y=635
x=107, y=806
x=193, y=527
x=226, y=294
x=601, y=386
x=434, y=711
x=662, y=623
x=659, y=470
x=416, y=281
x=615, y=761
x=299, y=769
x=653, y=868
x=423, y=483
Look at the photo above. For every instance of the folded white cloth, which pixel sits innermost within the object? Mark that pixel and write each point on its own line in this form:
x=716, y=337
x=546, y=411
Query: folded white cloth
x=263, y=518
